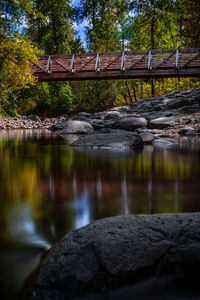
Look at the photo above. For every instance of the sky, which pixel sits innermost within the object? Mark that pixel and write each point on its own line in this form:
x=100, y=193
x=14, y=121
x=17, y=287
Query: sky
x=80, y=28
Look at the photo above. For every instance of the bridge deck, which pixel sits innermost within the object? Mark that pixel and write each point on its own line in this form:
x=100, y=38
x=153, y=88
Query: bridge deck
x=119, y=65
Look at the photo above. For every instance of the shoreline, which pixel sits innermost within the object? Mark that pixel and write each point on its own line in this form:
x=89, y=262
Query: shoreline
x=159, y=120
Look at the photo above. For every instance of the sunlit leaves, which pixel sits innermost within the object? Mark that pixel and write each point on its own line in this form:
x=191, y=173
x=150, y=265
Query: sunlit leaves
x=15, y=68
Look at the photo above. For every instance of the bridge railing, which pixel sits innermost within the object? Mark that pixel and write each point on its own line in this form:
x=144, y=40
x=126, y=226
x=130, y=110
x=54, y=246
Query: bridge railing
x=109, y=65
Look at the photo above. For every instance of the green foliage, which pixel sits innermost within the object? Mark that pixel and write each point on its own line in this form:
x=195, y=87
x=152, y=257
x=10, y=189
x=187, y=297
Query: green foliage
x=110, y=27
x=94, y=96
x=16, y=53
x=15, y=57
x=52, y=29
x=103, y=21
x=191, y=23
x=3, y=114
x=48, y=99
x=12, y=15
x=157, y=21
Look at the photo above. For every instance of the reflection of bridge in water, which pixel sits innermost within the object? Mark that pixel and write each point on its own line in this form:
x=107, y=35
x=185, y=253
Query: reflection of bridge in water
x=119, y=65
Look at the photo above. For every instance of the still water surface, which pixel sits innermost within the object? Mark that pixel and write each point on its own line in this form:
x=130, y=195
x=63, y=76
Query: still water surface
x=47, y=189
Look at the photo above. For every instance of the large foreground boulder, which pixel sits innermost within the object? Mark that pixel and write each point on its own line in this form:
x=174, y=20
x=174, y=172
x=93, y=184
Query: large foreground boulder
x=117, y=140
x=114, y=251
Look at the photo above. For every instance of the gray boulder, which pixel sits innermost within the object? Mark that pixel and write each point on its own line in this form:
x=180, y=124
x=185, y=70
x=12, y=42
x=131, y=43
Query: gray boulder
x=110, y=115
x=147, y=137
x=187, y=131
x=130, y=123
x=100, y=123
x=118, y=250
x=118, y=140
x=160, y=123
x=75, y=127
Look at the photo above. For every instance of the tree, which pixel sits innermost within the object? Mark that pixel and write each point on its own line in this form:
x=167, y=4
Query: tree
x=52, y=31
x=191, y=23
x=103, y=21
x=16, y=51
x=103, y=18
x=155, y=26
x=15, y=67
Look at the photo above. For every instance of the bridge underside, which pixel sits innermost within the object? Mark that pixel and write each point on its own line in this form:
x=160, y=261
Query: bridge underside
x=115, y=65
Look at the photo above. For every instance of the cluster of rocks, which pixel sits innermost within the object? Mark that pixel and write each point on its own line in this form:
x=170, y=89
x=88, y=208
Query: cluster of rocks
x=159, y=120
x=30, y=122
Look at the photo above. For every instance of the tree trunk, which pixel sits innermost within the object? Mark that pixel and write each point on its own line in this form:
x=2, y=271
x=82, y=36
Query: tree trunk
x=134, y=91
x=141, y=91
x=153, y=92
x=129, y=93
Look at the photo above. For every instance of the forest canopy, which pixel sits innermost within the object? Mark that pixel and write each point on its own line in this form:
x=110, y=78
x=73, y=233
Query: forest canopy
x=32, y=27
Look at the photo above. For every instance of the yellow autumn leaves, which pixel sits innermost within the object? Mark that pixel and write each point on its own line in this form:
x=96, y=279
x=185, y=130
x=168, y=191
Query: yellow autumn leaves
x=16, y=55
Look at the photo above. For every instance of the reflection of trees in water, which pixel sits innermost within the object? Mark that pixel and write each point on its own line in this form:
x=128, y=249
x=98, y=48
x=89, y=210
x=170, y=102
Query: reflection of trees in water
x=64, y=189
x=27, y=134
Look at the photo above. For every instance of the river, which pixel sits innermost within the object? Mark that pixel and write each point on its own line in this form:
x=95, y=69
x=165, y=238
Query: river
x=47, y=188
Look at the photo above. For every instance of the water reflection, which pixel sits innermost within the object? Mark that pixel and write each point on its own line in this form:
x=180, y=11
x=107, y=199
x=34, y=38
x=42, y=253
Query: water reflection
x=81, y=206
x=23, y=229
x=26, y=134
x=48, y=189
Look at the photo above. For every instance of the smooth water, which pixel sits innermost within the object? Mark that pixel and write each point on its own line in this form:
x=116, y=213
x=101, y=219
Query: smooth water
x=47, y=189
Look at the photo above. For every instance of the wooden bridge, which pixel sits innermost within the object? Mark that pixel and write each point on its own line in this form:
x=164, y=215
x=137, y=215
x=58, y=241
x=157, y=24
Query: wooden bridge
x=119, y=65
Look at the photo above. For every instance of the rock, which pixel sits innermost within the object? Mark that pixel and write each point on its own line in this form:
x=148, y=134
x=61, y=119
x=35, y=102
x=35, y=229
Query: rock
x=140, y=130
x=76, y=127
x=110, y=115
x=130, y=123
x=147, y=137
x=160, y=123
x=82, y=114
x=32, y=118
x=98, y=124
x=177, y=103
x=70, y=138
x=117, y=250
x=165, y=142
x=187, y=131
x=119, y=141
x=189, y=110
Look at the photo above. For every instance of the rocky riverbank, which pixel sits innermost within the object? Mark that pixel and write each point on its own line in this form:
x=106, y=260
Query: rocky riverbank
x=159, y=121
x=30, y=122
